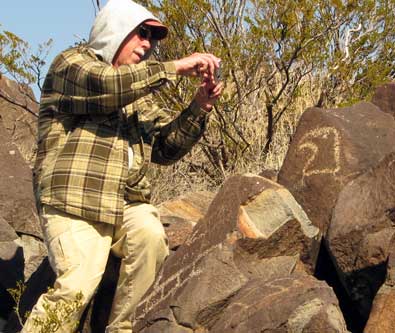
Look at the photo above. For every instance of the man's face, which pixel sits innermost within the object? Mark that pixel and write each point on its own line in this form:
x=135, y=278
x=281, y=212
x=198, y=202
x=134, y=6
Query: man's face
x=134, y=47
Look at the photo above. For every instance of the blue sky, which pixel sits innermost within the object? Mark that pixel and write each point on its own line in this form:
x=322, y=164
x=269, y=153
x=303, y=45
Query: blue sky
x=38, y=21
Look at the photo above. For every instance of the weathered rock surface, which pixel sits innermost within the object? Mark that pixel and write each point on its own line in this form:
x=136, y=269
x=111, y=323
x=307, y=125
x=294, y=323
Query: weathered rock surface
x=382, y=315
x=181, y=214
x=17, y=112
x=253, y=229
x=361, y=230
x=384, y=98
x=330, y=148
x=17, y=205
x=291, y=304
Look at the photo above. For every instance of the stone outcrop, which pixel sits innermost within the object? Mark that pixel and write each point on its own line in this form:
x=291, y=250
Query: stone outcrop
x=18, y=112
x=384, y=98
x=330, y=148
x=17, y=205
x=254, y=237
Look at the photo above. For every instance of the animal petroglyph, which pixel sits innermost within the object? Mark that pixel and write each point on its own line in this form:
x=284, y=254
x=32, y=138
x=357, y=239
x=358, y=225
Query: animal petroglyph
x=307, y=143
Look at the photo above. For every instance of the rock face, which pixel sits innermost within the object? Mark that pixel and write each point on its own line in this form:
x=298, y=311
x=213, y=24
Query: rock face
x=384, y=98
x=329, y=149
x=18, y=114
x=361, y=230
x=253, y=242
x=17, y=205
x=382, y=316
x=180, y=215
x=292, y=304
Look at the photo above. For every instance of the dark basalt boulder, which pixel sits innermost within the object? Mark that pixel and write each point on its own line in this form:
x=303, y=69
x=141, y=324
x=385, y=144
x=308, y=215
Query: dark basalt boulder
x=254, y=232
x=329, y=149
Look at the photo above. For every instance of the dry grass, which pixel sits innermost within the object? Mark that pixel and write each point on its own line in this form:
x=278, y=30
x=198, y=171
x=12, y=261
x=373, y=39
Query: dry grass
x=182, y=177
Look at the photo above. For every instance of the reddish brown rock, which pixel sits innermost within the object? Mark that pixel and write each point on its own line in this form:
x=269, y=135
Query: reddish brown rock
x=329, y=149
x=180, y=215
x=18, y=113
x=253, y=229
x=382, y=316
x=384, y=98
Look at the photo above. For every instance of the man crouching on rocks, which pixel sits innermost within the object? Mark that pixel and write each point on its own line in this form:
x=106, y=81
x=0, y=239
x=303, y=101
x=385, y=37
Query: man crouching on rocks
x=99, y=129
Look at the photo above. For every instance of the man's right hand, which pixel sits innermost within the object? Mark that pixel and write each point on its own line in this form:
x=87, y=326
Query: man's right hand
x=198, y=64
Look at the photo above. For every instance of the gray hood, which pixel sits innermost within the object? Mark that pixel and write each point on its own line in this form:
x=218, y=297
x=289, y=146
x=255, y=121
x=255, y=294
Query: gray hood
x=113, y=24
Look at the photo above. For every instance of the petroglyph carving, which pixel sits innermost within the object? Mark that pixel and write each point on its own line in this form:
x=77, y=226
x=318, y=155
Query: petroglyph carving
x=307, y=141
x=162, y=290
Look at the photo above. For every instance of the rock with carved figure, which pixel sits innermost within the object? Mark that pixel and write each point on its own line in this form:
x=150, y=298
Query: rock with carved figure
x=330, y=148
x=254, y=243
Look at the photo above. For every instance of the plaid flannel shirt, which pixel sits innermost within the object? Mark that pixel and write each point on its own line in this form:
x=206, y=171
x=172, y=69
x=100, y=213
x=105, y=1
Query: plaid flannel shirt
x=90, y=113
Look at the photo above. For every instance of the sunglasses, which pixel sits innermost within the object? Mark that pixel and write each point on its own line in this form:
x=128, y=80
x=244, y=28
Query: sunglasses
x=144, y=32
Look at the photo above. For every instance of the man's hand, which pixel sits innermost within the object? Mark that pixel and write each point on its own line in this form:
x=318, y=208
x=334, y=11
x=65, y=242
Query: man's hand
x=198, y=64
x=208, y=93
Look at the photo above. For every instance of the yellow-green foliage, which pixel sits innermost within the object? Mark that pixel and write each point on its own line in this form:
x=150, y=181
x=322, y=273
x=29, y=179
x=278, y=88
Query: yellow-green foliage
x=59, y=314
x=56, y=315
x=278, y=58
x=18, y=61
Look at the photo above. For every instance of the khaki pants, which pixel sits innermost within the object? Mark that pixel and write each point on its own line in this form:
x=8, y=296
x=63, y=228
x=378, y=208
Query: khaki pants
x=78, y=252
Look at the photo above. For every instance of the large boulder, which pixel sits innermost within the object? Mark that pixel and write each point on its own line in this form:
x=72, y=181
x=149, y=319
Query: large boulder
x=253, y=231
x=330, y=148
x=384, y=98
x=18, y=113
x=361, y=229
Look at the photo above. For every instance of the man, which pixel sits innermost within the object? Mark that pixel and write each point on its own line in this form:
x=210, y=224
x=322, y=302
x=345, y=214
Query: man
x=99, y=128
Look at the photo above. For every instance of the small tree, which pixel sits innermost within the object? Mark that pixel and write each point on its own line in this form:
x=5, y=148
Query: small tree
x=20, y=63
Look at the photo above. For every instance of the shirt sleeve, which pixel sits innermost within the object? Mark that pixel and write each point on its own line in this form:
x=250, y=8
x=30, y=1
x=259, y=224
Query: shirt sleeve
x=172, y=138
x=179, y=136
x=79, y=83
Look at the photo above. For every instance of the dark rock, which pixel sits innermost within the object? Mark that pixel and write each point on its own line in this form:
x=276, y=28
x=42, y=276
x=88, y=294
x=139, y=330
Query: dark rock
x=252, y=229
x=17, y=204
x=361, y=230
x=329, y=149
x=18, y=113
x=11, y=257
x=384, y=98
x=291, y=304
